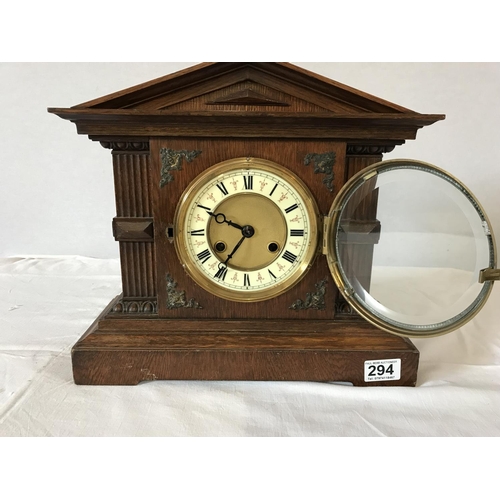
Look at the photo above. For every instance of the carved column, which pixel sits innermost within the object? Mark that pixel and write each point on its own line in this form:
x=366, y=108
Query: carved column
x=133, y=226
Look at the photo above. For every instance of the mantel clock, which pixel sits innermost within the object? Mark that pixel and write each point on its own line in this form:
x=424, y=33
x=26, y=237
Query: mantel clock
x=263, y=237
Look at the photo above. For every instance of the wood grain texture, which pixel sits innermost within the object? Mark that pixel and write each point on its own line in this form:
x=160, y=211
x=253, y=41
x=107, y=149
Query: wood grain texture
x=159, y=349
x=232, y=98
x=133, y=229
x=132, y=176
x=132, y=184
x=138, y=264
x=311, y=106
x=289, y=154
x=286, y=74
x=137, y=123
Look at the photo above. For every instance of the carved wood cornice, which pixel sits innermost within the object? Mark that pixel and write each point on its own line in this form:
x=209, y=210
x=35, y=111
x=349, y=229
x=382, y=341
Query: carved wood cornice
x=124, y=145
x=369, y=150
x=139, y=124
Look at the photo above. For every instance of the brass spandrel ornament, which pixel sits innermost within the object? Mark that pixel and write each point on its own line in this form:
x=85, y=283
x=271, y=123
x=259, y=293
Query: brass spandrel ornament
x=323, y=164
x=172, y=161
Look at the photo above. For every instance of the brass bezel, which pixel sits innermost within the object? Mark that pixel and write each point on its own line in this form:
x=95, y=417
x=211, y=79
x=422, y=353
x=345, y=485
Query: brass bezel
x=218, y=170
x=344, y=286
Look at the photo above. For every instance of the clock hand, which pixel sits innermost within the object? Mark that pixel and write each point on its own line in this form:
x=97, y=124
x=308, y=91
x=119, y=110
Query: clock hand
x=221, y=219
x=247, y=232
x=230, y=256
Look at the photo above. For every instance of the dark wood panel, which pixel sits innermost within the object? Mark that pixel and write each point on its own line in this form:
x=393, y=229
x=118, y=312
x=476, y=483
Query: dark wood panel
x=290, y=154
x=138, y=263
x=132, y=184
x=260, y=125
x=210, y=101
x=302, y=100
x=190, y=79
x=238, y=334
x=163, y=349
x=130, y=367
x=132, y=176
x=356, y=163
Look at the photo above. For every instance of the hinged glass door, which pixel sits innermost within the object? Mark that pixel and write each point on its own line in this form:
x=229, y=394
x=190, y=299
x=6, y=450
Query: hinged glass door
x=411, y=248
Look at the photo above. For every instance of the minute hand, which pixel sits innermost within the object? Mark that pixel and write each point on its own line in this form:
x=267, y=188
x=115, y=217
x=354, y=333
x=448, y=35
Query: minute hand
x=221, y=219
x=230, y=256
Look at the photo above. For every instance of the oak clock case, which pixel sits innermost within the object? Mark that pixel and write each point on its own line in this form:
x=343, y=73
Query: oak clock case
x=274, y=273
x=262, y=237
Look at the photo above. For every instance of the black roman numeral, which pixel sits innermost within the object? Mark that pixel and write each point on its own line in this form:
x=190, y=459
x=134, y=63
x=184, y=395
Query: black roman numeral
x=248, y=180
x=204, y=208
x=296, y=232
x=273, y=190
x=271, y=274
x=221, y=273
x=222, y=188
x=246, y=280
x=289, y=256
x=204, y=256
x=197, y=232
x=292, y=208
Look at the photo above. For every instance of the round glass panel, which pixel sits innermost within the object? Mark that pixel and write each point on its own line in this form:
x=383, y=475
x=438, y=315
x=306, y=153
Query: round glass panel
x=407, y=244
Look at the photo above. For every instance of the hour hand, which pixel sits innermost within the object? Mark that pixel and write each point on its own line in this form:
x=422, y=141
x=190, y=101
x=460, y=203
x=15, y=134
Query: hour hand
x=221, y=219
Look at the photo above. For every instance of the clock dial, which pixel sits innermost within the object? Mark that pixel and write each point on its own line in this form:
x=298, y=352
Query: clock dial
x=246, y=229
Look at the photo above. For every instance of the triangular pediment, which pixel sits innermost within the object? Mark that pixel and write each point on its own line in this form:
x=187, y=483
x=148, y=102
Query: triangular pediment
x=247, y=96
x=246, y=100
x=253, y=87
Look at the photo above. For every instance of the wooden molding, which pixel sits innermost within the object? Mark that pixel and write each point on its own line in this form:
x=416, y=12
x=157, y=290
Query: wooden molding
x=133, y=229
x=248, y=97
x=128, y=145
x=365, y=126
x=132, y=350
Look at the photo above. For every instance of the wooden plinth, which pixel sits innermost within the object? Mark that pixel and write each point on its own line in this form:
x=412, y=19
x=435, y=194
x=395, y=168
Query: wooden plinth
x=128, y=350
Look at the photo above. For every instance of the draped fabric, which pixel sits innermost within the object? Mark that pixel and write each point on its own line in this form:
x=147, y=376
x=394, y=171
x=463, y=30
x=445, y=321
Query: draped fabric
x=47, y=303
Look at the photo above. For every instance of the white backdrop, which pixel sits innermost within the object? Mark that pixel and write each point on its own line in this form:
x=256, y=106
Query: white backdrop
x=39, y=150
x=56, y=189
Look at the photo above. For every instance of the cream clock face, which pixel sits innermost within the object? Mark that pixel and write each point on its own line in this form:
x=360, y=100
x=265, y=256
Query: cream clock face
x=246, y=229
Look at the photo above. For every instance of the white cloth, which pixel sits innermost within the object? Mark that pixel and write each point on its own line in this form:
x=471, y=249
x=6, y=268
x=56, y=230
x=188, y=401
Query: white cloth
x=47, y=303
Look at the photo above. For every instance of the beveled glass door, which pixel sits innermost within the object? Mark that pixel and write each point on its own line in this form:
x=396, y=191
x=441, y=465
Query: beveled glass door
x=410, y=248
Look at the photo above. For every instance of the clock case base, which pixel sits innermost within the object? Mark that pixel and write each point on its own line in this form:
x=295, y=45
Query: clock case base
x=116, y=351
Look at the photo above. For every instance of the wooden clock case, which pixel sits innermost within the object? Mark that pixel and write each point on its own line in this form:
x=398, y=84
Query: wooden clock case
x=164, y=133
